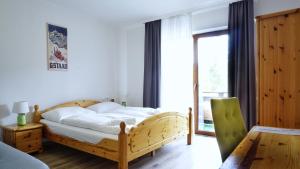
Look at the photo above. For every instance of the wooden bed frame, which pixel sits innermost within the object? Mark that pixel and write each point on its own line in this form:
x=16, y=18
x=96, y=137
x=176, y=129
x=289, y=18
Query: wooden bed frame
x=146, y=137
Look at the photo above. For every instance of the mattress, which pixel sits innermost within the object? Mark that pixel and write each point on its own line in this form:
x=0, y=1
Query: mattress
x=77, y=133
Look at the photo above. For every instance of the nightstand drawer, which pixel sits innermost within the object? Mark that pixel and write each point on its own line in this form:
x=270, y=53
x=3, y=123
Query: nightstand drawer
x=28, y=135
x=26, y=138
x=29, y=146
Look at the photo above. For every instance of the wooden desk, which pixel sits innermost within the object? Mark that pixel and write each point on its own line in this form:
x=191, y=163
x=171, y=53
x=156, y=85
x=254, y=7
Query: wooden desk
x=266, y=148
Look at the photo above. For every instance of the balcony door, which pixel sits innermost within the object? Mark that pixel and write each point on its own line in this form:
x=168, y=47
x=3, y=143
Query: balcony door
x=210, y=76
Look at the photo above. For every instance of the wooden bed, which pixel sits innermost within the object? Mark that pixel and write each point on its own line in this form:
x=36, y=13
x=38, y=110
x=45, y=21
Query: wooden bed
x=146, y=137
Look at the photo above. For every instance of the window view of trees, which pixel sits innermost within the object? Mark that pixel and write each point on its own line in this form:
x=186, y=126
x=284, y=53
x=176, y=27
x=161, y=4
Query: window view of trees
x=212, y=60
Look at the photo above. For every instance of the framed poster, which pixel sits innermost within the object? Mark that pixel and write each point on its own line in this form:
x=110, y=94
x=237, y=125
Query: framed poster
x=57, y=48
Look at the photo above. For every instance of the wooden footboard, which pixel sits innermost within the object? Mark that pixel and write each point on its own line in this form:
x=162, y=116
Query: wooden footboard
x=152, y=134
x=155, y=132
x=146, y=137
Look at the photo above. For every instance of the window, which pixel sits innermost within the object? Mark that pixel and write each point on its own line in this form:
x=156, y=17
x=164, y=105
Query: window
x=210, y=76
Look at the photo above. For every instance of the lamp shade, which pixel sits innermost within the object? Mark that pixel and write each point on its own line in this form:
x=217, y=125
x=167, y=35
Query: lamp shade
x=21, y=107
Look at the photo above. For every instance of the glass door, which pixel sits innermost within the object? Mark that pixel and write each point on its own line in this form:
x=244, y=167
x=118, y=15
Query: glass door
x=210, y=76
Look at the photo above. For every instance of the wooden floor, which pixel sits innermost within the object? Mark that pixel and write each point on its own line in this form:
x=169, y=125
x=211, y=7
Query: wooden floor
x=202, y=154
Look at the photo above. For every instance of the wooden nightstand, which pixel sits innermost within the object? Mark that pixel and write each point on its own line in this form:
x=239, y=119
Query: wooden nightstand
x=26, y=138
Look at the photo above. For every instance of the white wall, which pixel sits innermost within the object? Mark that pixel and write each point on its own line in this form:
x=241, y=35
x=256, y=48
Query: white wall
x=135, y=65
x=270, y=6
x=92, y=56
x=202, y=20
x=218, y=16
x=213, y=18
x=132, y=65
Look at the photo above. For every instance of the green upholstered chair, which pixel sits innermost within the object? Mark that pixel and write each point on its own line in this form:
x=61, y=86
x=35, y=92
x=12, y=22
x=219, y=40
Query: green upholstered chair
x=229, y=124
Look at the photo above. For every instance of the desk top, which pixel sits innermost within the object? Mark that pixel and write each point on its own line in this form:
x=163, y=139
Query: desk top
x=266, y=148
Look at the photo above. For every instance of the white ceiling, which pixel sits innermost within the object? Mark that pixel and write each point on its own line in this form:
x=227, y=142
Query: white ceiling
x=120, y=12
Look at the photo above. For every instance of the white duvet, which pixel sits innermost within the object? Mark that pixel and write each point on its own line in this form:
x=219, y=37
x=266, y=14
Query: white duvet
x=106, y=123
x=109, y=122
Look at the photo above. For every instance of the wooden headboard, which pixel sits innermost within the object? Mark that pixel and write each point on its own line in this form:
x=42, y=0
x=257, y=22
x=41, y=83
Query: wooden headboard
x=81, y=103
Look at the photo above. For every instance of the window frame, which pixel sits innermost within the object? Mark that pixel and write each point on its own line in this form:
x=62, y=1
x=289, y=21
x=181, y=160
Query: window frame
x=195, y=77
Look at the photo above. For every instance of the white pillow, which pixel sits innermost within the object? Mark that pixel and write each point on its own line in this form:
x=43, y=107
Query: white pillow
x=57, y=115
x=104, y=107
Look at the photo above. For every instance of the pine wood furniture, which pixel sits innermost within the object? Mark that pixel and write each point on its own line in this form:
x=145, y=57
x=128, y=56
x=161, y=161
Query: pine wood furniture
x=279, y=69
x=26, y=138
x=146, y=137
x=261, y=149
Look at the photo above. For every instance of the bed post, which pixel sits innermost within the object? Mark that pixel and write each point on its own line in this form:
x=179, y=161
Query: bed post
x=37, y=114
x=123, y=162
x=189, y=136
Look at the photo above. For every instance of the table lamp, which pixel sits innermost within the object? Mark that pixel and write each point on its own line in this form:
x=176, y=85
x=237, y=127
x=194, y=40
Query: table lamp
x=22, y=108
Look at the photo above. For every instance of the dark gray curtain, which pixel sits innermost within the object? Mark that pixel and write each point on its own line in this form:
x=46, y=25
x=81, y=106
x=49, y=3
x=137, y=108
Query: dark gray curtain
x=152, y=61
x=241, y=68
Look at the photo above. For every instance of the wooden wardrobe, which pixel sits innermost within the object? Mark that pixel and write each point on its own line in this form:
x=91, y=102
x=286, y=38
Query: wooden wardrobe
x=278, y=41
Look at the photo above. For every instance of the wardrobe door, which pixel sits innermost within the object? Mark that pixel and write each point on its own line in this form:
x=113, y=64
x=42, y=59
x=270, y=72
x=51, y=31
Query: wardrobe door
x=296, y=59
x=268, y=74
x=279, y=69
